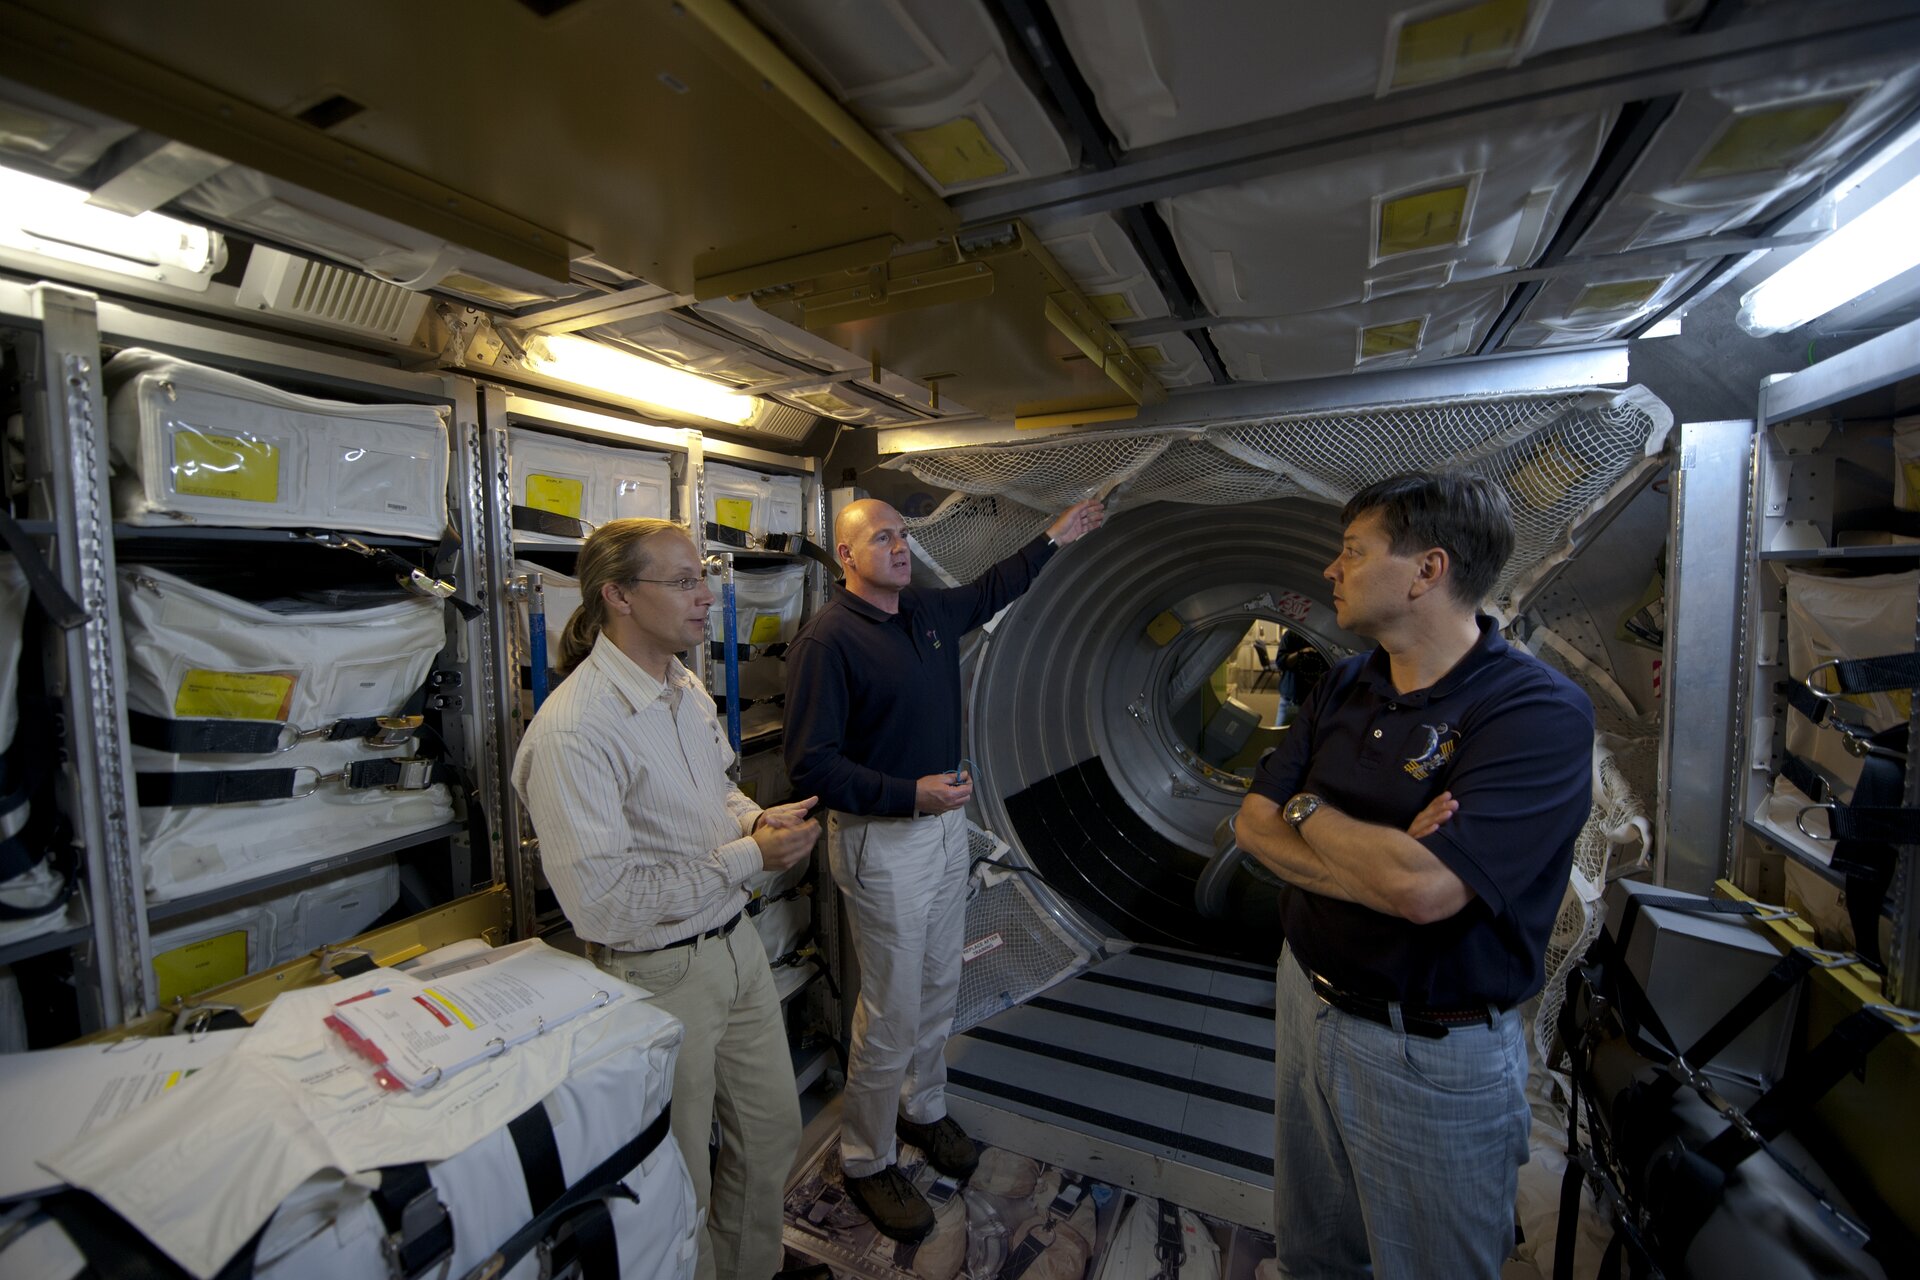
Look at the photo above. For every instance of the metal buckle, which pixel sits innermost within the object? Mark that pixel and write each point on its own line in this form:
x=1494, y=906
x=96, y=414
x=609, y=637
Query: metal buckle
x=394, y=731
x=1828, y=959
x=1800, y=821
x=417, y=1217
x=416, y=774
x=192, y=1020
x=319, y=780
x=1905, y=1021
x=294, y=735
x=1819, y=693
x=423, y=583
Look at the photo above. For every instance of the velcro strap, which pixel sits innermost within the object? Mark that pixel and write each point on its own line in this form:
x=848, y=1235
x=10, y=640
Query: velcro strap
x=228, y=786
x=532, y=1133
x=418, y=1224
x=1876, y=675
x=230, y=737
x=1874, y=824
x=1811, y=780
x=534, y=520
x=597, y=1183
x=798, y=544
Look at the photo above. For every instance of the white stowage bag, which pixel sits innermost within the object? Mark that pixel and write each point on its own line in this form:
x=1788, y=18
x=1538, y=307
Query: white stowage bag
x=303, y=1126
x=194, y=653
x=196, y=445
x=40, y=884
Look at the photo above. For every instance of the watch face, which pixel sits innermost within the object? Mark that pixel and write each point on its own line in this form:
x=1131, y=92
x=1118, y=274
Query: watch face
x=1300, y=808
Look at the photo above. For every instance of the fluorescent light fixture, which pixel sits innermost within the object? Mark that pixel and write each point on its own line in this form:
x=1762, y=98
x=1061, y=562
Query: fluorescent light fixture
x=1864, y=254
x=55, y=221
x=597, y=367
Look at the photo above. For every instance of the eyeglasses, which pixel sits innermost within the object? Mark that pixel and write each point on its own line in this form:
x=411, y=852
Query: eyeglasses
x=678, y=584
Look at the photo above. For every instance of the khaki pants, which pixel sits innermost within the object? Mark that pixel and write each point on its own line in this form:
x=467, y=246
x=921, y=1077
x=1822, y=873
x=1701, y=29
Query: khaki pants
x=734, y=1067
x=905, y=885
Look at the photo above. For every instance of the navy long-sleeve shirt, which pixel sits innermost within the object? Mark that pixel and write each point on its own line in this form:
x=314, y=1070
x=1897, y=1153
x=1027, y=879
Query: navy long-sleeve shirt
x=873, y=698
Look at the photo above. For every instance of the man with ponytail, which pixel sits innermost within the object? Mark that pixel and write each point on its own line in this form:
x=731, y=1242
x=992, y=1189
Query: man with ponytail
x=648, y=845
x=873, y=727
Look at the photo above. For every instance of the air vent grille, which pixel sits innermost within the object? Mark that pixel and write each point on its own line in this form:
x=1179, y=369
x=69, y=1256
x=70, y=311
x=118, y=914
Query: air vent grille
x=333, y=296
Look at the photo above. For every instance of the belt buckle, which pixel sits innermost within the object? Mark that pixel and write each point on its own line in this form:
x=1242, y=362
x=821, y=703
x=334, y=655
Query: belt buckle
x=415, y=774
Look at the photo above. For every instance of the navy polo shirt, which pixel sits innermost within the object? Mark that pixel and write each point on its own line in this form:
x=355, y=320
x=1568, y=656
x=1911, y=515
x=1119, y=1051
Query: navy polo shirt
x=873, y=698
x=1512, y=739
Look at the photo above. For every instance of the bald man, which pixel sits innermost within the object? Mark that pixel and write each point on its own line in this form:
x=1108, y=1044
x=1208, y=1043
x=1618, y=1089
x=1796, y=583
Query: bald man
x=873, y=728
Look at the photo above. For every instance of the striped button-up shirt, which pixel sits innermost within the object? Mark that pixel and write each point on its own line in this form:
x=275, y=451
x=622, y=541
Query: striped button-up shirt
x=642, y=834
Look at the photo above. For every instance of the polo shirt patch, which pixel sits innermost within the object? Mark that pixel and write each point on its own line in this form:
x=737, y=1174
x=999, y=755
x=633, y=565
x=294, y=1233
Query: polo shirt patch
x=1433, y=747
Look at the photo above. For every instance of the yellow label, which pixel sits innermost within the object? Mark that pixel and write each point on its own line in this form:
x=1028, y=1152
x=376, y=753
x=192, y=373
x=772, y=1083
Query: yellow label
x=1474, y=37
x=765, y=630
x=733, y=513
x=556, y=494
x=233, y=695
x=1164, y=627
x=1769, y=139
x=1423, y=220
x=1622, y=295
x=199, y=965
x=225, y=467
x=1390, y=339
x=954, y=152
x=1112, y=306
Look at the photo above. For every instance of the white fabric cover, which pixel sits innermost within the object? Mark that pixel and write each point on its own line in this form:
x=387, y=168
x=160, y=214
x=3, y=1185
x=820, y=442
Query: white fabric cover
x=591, y=482
x=769, y=603
x=1097, y=252
x=1662, y=200
x=1323, y=343
x=285, y=924
x=902, y=66
x=1164, y=69
x=196, y=445
x=781, y=925
x=1564, y=313
x=354, y=662
x=300, y=1113
x=773, y=503
x=38, y=886
x=763, y=776
x=1307, y=241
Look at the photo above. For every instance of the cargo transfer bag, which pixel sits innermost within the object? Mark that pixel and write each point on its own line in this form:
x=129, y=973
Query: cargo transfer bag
x=564, y=489
x=195, y=445
x=519, y=1179
x=257, y=737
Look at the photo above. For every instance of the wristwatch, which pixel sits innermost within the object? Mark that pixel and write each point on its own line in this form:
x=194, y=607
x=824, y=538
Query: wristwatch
x=1300, y=808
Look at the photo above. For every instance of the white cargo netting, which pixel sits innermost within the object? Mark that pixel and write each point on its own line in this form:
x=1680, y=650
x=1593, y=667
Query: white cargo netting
x=1014, y=948
x=1556, y=454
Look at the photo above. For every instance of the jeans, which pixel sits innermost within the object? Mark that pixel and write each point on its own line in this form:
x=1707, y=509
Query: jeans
x=734, y=1067
x=1394, y=1155
x=904, y=882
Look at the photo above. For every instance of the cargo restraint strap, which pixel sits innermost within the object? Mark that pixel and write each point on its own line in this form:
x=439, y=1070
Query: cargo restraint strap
x=247, y=786
x=411, y=576
x=552, y=523
x=270, y=737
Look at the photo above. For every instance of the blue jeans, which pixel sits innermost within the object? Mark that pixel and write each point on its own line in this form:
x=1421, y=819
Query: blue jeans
x=1394, y=1155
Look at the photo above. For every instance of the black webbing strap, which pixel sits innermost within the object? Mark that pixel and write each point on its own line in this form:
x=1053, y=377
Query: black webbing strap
x=116, y=1250
x=419, y=1228
x=1804, y=700
x=593, y=1188
x=1812, y=781
x=534, y=520
x=199, y=737
x=717, y=650
x=589, y=1241
x=1795, y=1093
x=726, y=534
x=1866, y=832
x=1875, y=675
x=1169, y=1246
x=1874, y=824
x=799, y=544
x=354, y=966
x=411, y=575
x=1782, y=978
x=61, y=608
x=248, y=786
x=771, y=700
x=532, y=1133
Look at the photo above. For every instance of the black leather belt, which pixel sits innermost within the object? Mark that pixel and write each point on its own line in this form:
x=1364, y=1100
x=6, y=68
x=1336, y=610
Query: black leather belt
x=1430, y=1021
x=718, y=931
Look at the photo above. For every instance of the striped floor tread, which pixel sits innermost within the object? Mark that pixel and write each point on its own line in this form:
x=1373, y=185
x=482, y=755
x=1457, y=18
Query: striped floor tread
x=1159, y=1051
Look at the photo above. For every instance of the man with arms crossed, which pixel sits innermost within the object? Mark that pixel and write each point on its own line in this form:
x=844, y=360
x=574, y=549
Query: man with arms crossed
x=1422, y=810
x=647, y=844
x=873, y=728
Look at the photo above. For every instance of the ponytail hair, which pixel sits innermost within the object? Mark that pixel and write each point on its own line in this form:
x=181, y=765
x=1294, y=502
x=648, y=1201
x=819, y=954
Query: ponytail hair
x=613, y=554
